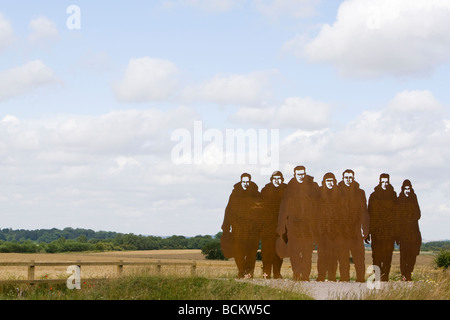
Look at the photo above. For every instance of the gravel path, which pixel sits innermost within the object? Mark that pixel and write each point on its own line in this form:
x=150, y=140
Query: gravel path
x=318, y=290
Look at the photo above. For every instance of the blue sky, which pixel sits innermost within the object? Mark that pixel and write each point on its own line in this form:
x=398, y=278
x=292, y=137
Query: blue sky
x=87, y=115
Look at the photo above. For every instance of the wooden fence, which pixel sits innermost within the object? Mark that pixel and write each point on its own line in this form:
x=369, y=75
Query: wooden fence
x=119, y=264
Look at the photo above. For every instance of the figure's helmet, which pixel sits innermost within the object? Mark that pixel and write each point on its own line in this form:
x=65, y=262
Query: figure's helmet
x=277, y=173
x=327, y=176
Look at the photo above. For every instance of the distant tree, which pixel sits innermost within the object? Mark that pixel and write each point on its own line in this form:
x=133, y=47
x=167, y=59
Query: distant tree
x=175, y=242
x=82, y=238
x=198, y=242
x=442, y=260
x=213, y=251
x=435, y=246
x=70, y=239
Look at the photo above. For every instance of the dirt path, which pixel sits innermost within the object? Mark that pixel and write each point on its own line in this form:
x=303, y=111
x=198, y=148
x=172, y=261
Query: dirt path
x=319, y=290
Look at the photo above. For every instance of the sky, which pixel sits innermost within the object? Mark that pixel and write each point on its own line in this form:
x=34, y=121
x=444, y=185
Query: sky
x=140, y=116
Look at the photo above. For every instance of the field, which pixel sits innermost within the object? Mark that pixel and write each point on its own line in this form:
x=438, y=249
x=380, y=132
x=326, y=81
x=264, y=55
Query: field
x=426, y=277
x=207, y=268
x=204, y=267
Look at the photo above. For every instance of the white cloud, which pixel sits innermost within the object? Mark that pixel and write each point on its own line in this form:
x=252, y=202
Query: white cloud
x=15, y=138
x=405, y=139
x=408, y=137
x=292, y=8
x=6, y=32
x=152, y=79
x=124, y=162
x=86, y=170
x=114, y=171
x=375, y=132
x=43, y=31
x=117, y=132
x=85, y=141
x=416, y=101
x=208, y=5
x=270, y=8
x=294, y=112
x=147, y=79
x=382, y=37
x=20, y=80
x=406, y=122
x=310, y=148
x=247, y=88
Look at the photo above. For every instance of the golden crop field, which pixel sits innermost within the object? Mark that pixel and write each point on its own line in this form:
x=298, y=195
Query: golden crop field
x=206, y=268
x=428, y=282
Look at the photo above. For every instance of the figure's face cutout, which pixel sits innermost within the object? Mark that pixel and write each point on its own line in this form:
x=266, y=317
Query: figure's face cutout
x=407, y=191
x=300, y=175
x=245, y=182
x=384, y=182
x=277, y=181
x=329, y=183
x=348, y=179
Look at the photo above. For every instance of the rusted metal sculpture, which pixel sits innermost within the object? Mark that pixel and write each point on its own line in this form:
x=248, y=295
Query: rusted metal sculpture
x=290, y=220
x=242, y=225
x=271, y=194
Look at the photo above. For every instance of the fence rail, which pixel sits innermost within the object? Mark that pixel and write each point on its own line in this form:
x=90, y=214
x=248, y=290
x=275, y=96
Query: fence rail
x=120, y=265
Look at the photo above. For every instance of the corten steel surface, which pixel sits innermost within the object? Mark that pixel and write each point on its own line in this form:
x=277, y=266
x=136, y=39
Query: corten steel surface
x=293, y=219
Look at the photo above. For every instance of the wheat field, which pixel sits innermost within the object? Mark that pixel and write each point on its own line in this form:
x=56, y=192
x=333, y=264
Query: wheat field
x=205, y=268
x=428, y=282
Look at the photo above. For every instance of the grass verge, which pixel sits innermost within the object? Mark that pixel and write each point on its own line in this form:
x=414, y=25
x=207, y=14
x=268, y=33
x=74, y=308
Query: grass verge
x=144, y=287
x=428, y=286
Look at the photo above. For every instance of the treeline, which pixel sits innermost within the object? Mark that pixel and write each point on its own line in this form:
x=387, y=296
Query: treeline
x=435, y=245
x=49, y=235
x=76, y=240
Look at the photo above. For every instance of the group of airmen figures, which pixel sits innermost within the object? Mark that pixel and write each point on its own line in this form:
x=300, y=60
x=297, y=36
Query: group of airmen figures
x=291, y=220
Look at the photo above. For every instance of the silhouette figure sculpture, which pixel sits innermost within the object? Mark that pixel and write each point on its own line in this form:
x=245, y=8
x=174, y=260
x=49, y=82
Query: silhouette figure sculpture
x=328, y=215
x=289, y=219
x=354, y=220
x=409, y=237
x=241, y=225
x=382, y=224
x=271, y=194
x=297, y=217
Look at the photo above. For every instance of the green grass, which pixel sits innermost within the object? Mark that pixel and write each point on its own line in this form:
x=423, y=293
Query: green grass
x=144, y=287
x=425, y=286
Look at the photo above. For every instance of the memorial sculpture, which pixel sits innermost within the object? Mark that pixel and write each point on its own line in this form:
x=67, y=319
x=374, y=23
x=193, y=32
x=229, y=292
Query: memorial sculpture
x=355, y=221
x=327, y=238
x=271, y=195
x=382, y=225
x=297, y=217
x=242, y=225
x=291, y=220
x=408, y=234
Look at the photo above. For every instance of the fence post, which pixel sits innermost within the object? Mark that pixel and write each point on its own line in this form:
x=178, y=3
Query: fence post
x=31, y=270
x=79, y=265
x=194, y=268
x=158, y=267
x=120, y=268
